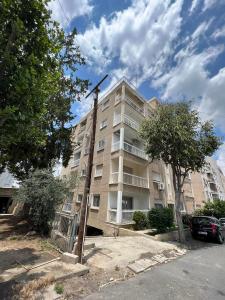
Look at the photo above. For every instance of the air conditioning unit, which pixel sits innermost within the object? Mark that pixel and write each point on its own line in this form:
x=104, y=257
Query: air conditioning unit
x=161, y=186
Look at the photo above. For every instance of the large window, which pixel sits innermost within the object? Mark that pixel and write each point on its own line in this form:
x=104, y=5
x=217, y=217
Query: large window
x=79, y=198
x=96, y=201
x=67, y=207
x=127, y=203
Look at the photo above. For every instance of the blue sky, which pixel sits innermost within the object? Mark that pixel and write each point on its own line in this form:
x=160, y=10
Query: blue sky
x=169, y=49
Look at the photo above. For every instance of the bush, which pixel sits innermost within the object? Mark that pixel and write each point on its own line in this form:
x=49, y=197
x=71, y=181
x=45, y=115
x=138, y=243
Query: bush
x=43, y=193
x=161, y=219
x=214, y=209
x=140, y=220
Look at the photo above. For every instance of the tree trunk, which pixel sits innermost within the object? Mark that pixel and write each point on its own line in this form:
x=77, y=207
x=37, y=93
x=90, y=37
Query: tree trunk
x=178, y=202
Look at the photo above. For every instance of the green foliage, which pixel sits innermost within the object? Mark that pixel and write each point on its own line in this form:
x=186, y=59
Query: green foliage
x=38, y=85
x=43, y=193
x=176, y=135
x=215, y=209
x=161, y=219
x=59, y=288
x=186, y=219
x=140, y=220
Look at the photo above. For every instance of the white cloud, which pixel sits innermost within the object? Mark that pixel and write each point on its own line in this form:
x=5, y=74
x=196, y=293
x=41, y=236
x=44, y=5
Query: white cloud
x=194, y=6
x=208, y=4
x=140, y=37
x=219, y=33
x=221, y=158
x=69, y=9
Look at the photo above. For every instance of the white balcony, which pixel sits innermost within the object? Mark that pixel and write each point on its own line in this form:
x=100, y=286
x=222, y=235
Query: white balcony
x=135, y=180
x=131, y=122
x=130, y=179
x=135, y=151
x=133, y=105
x=131, y=149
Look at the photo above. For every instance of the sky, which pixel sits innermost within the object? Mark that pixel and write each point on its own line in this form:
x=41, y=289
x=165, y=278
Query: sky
x=170, y=49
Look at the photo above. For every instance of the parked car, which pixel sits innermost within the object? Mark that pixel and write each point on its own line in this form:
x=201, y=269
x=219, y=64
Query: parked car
x=222, y=221
x=207, y=227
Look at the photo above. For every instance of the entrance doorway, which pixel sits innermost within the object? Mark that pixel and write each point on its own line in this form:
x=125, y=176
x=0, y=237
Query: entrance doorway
x=5, y=203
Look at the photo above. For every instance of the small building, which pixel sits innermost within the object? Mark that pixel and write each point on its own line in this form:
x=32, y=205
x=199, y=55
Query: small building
x=8, y=184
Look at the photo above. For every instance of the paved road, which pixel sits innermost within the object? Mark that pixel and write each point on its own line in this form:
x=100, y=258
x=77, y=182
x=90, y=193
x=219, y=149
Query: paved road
x=200, y=274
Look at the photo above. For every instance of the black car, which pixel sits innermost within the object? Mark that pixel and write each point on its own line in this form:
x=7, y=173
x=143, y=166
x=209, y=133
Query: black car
x=207, y=227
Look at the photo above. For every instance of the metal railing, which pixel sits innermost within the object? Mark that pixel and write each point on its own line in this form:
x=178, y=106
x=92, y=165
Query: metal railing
x=135, y=180
x=133, y=105
x=130, y=122
x=130, y=179
x=135, y=150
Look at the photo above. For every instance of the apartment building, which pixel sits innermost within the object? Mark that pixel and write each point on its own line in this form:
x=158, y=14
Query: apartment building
x=123, y=178
x=209, y=184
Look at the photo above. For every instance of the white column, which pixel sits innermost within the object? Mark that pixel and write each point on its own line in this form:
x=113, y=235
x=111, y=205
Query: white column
x=123, y=92
x=119, y=207
x=120, y=175
x=121, y=137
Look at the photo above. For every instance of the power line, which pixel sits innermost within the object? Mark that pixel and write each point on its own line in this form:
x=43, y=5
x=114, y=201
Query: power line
x=64, y=13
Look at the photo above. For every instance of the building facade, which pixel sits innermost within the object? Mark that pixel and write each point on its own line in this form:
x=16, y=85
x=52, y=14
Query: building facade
x=123, y=179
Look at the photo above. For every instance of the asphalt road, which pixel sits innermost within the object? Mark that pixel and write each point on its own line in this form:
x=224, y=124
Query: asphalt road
x=200, y=274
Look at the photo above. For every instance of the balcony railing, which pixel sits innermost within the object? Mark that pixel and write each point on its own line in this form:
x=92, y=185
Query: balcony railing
x=115, y=146
x=133, y=105
x=112, y=215
x=116, y=119
x=134, y=150
x=135, y=180
x=130, y=122
x=129, y=179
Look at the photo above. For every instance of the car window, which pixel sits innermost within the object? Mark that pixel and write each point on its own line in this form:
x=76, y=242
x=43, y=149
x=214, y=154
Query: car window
x=202, y=221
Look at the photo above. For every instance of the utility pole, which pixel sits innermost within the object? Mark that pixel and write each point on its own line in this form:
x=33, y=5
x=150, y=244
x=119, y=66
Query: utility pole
x=84, y=204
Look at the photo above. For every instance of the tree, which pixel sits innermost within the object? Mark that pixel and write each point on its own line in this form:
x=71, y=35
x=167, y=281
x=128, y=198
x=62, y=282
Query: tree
x=215, y=209
x=43, y=193
x=176, y=135
x=38, y=62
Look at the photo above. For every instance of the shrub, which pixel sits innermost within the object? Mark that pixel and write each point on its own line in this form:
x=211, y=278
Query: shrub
x=161, y=219
x=43, y=193
x=215, y=209
x=59, y=288
x=140, y=220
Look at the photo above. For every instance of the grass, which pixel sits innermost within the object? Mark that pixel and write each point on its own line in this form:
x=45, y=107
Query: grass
x=28, y=290
x=59, y=288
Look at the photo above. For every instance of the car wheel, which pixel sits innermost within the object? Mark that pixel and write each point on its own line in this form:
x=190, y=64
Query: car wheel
x=220, y=238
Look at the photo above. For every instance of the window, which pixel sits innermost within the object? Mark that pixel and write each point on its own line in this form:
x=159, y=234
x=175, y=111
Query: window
x=103, y=124
x=79, y=198
x=98, y=170
x=105, y=104
x=101, y=145
x=96, y=201
x=68, y=203
x=83, y=173
x=158, y=205
x=127, y=202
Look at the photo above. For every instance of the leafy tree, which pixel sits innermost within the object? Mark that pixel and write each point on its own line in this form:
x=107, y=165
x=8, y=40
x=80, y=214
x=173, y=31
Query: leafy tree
x=215, y=209
x=161, y=219
x=140, y=220
x=43, y=193
x=38, y=63
x=176, y=135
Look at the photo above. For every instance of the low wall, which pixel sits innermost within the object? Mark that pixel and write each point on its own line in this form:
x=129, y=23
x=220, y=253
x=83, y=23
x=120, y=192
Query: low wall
x=170, y=236
x=128, y=232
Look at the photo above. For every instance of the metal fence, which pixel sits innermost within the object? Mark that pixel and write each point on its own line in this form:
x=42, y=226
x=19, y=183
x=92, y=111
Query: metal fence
x=64, y=231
